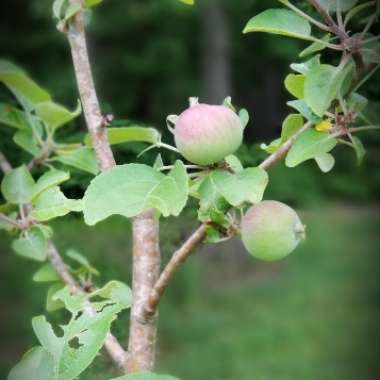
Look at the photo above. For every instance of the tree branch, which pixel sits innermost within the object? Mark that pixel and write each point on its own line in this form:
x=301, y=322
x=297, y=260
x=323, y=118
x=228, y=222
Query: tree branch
x=94, y=119
x=199, y=235
x=146, y=253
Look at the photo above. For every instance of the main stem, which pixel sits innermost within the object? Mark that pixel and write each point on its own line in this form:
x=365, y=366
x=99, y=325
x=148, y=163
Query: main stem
x=146, y=253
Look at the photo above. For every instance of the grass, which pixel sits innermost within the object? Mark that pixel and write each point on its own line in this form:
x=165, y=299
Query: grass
x=312, y=316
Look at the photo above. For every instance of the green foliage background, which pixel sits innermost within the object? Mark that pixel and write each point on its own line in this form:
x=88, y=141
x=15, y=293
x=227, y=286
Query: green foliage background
x=311, y=317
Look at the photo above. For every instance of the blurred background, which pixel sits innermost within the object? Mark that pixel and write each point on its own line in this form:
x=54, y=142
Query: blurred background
x=312, y=316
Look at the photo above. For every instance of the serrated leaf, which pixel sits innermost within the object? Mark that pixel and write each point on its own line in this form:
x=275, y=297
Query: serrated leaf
x=335, y=5
x=295, y=83
x=55, y=115
x=322, y=85
x=46, y=273
x=83, y=159
x=359, y=149
x=305, y=67
x=53, y=203
x=304, y=110
x=308, y=145
x=32, y=244
x=13, y=117
x=36, y=363
x=146, y=375
x=280, y=21
x=325, y=161
x=17, y=186
x=316, y=46
x=50, y=179
x=25, y=89
x=129, y=134
x=82, y=260
x=246, y=186
x=129, y=189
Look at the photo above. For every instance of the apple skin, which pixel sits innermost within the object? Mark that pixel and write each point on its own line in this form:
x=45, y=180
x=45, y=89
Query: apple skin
x=271, y=230
x=205, y=134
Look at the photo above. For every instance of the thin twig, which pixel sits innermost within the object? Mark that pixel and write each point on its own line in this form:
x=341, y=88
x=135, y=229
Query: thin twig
x=330, y=21
x=365, y=128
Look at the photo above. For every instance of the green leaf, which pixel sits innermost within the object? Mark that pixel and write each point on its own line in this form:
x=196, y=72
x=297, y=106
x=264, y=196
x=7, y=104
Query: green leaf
x=316, y=46
x=53, y=203
x=82, y=260
x=53, y=304
x=49, y=179
x=295, y=83
x=234, y=163
x=325, y=161
x=359, y=149
x=371, y=50
x=115, y=291
x=92, y=3
x=6, y=225
x=244, y=117
x=122, y=190
x=46, y=273
x=129, y=189
x=308, y=145
x=212, y=204
x=83, y=159
x=146, y=375
x=71, y=10
x=246, y=186
x=36, y=363
x=304, y=110
x=17, y=186
x=25, y=139
x=189, y=2
x=55, y=115
x=335, y=5
x=32, y=244
x=25, y=90
x=13, y=117
x=129, y=134
x=82, y=337
x=290, y=126
x=356, y=102
x=271, y=147
x=280, y=21
x=58, y=8
x=322, y=85
x=305, y=67
x=170, y=195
